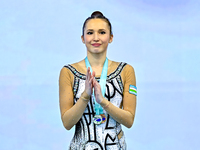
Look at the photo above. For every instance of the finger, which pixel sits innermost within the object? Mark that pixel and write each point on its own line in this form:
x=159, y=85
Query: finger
x=89, y=75
x=97, y=85
x=93, y=74
x=88, y=69
x=91, y=80
x=94, y=83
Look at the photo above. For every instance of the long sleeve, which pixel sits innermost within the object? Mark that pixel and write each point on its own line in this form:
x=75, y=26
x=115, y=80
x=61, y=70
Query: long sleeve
x=126, y=115
x=70, y=114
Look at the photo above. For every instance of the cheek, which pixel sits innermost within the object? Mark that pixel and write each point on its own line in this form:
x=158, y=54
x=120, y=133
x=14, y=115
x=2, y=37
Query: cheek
x=87, y=39
x=106, y=39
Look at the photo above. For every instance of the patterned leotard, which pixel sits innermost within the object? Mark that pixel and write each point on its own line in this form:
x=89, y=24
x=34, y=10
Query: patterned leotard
x=89, y=136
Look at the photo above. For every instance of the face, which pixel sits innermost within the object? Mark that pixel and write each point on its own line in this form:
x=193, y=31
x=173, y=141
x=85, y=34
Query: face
x=97, y=36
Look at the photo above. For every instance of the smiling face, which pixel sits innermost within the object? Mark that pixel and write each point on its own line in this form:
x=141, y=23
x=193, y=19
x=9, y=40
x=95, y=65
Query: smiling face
x=96, y=36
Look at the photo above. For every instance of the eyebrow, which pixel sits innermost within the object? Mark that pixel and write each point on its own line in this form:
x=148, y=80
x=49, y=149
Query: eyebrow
x=93, y=30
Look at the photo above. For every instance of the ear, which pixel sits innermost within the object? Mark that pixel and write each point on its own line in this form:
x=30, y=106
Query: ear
x=111, y=39
x=82, y=38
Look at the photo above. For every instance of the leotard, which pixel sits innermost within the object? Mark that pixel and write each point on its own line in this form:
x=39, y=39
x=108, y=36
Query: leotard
x=106, y=136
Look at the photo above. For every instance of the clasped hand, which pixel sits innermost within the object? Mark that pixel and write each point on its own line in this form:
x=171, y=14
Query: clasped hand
x=91, y=83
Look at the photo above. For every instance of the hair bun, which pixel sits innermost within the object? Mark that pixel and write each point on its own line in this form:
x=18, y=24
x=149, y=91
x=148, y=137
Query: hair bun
x=97, y=14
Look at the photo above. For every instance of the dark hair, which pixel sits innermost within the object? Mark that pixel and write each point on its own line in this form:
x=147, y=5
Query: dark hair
x=97, y=14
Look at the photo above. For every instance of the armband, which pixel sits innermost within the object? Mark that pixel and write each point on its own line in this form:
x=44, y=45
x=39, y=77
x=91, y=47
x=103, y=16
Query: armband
x=133, y=90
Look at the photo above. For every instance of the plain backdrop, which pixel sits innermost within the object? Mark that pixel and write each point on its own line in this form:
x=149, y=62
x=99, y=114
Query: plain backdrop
x=159, y=38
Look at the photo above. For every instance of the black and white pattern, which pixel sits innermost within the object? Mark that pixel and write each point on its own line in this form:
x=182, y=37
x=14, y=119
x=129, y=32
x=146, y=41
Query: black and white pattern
x=89, y=136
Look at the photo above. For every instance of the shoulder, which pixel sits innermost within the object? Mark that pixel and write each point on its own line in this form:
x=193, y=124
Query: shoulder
x=112, y=63
x=128, y=73
x=78, y=64
x=73, y=66
x=128, y=67
x=116, y=64
x=65, y=71
x=74, y=69
x=124, y=66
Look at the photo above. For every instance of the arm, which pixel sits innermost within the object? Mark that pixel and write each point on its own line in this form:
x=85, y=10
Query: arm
x=126, y=115
x=71, y=114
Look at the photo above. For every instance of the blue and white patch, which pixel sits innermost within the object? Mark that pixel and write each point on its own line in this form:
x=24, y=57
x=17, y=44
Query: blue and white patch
x=133, y=90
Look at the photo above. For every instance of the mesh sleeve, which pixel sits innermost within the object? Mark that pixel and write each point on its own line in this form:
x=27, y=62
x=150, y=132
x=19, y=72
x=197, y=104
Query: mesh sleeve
x=65, y=90
x=129, y=100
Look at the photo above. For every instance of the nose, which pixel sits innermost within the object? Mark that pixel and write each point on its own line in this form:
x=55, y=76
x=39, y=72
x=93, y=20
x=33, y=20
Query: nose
x=96, y=37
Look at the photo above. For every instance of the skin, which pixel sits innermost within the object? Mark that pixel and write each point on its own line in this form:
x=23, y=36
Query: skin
x=96, y=31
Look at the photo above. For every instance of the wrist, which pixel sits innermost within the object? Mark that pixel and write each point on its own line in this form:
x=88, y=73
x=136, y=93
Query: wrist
x=85, y=97
x=104, y=102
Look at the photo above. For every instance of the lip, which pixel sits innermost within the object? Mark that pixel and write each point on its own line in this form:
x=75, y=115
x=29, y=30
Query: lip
x=96, y=44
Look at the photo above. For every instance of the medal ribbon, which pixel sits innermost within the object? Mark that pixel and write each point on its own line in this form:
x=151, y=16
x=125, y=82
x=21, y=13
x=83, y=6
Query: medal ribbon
x=98, y=108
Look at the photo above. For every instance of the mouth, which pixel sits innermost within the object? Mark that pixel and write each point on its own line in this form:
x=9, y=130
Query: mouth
x=96, y=44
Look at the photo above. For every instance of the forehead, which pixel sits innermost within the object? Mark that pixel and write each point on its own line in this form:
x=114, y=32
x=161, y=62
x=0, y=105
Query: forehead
x=96, y=24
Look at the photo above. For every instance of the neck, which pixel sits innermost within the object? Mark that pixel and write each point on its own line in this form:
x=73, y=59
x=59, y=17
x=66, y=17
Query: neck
x=96, y=60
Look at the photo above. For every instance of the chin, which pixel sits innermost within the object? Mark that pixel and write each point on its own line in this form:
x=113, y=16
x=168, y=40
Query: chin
x=97, y=51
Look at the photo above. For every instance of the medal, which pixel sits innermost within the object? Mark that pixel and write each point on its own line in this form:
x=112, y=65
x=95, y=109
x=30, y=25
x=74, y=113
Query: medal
x=97, y=119
x=99, y=116
x=103, y=118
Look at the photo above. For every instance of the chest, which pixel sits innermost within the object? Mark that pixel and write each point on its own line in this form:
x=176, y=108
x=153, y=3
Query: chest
x=97, y=71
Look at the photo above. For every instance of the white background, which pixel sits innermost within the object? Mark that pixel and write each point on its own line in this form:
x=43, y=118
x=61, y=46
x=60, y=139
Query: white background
x=159, y=38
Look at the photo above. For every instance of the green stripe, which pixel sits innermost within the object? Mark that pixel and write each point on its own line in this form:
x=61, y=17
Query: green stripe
x=132, y=90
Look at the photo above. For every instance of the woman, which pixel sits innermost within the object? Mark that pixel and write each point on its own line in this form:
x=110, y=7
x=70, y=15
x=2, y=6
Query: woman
x=97, y=94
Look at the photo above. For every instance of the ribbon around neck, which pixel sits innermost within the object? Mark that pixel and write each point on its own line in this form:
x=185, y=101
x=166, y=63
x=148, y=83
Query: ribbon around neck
x=98, y=108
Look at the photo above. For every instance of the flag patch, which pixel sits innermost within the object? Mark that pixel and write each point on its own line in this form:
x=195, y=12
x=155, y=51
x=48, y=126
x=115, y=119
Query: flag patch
x=133, y=90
